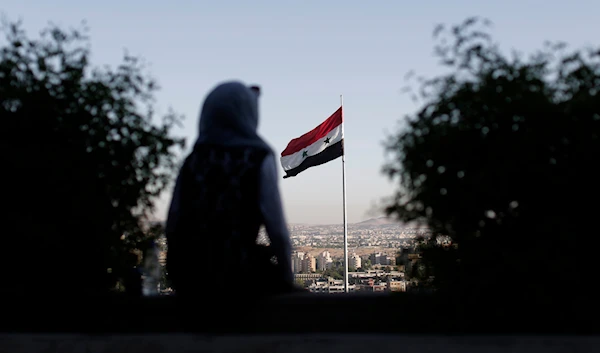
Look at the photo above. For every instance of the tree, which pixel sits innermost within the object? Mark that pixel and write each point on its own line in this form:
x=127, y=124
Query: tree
x=399, y=257
x=164, y=278
x=499, y=158
x=84, y=161
x=335, y=272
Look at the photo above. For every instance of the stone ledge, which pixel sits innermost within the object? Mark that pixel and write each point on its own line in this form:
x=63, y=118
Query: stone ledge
x=299, y=313
x=315, y=343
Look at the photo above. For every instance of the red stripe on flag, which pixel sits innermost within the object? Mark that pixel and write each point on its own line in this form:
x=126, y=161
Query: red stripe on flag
x=314, y=135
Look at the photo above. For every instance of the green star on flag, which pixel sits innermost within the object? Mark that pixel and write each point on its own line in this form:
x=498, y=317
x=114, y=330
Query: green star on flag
x=304, y=154
x=327, y=139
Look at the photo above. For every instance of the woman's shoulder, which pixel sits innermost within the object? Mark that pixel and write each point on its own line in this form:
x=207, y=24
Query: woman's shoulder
x=207, y=154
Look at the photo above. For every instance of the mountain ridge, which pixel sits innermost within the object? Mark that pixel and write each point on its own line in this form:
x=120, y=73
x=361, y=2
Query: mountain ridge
x=378, y=221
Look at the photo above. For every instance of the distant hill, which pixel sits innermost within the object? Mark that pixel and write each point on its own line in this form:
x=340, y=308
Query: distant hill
x=377, y=222
x=372, y=222
x=387, y=222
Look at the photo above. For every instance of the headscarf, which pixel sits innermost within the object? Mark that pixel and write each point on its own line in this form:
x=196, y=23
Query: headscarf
x=229, y=117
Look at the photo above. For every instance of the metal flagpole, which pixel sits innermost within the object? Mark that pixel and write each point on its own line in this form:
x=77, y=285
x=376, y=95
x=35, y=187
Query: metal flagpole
x=344, y=199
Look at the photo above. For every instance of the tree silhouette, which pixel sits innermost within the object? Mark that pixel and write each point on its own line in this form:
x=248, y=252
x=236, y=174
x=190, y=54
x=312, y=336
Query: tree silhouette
x=336, y=272
x=366, y=265
x=84, y=161
x=501, y=158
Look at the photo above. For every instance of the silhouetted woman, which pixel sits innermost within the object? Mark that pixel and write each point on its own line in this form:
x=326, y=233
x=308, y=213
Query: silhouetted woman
x=226, y=189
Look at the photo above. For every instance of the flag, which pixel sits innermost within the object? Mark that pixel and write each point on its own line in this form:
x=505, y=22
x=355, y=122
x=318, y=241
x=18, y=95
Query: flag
x=318, y=146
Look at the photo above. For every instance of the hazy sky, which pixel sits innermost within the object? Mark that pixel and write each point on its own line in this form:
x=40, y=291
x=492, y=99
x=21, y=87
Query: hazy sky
x=304, y=54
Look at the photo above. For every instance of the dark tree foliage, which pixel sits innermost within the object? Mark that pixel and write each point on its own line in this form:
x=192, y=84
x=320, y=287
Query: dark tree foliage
x=336, y=272
x=502, y=157
x=83, y=162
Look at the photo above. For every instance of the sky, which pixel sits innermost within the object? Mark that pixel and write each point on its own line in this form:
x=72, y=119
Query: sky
x=304, y=55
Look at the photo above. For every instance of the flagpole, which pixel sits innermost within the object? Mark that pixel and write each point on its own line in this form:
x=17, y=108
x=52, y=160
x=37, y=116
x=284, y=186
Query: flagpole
x=344, y=200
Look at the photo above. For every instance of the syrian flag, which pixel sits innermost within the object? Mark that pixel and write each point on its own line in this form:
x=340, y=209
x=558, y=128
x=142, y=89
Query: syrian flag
x=319, y=146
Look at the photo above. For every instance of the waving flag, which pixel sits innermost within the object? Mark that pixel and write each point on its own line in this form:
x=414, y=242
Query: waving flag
x=318, y=146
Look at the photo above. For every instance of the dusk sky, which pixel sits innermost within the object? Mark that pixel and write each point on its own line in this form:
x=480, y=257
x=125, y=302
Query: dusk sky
x=304, y=54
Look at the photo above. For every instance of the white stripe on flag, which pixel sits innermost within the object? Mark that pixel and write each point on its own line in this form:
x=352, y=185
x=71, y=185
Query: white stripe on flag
x=293, y=160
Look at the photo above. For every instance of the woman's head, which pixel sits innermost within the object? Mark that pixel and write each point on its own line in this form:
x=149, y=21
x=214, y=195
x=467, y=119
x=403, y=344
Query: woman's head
x=231, y=108
x=229, y=117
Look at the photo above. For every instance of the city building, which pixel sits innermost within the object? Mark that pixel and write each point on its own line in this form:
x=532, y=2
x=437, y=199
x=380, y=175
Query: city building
x=396, y=285
x=329, y=285
x=375, y=258
x=355, y=261
x=371, y=285
x=324, y=261
x=297, y=258
x=309, y=264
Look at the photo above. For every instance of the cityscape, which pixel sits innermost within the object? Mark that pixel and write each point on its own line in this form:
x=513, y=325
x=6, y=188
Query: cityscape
x=381, y=256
